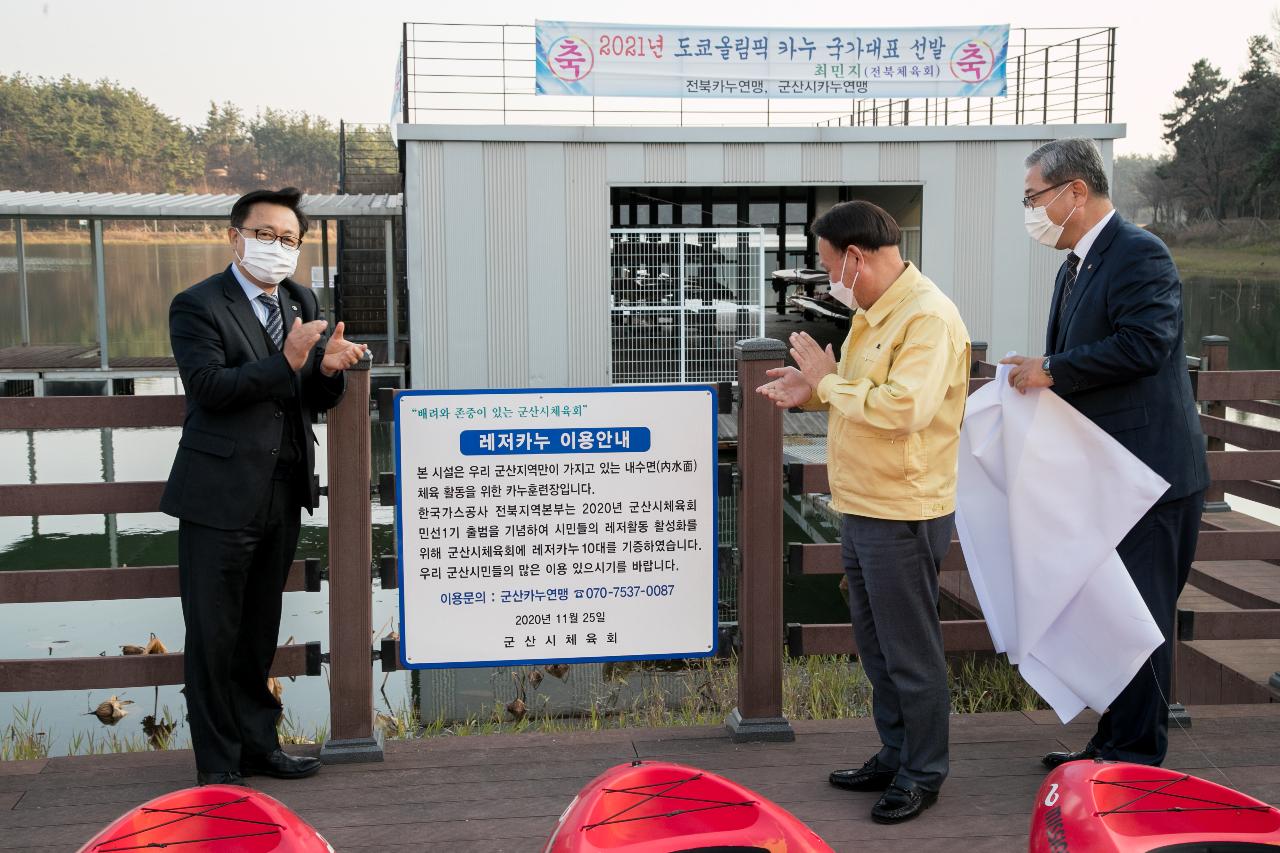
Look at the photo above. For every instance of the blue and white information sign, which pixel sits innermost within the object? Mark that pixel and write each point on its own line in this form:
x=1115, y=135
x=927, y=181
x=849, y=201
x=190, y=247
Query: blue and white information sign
x=556, y=525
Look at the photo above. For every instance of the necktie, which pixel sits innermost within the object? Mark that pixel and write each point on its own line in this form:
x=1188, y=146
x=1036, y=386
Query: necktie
x=1073, y=270
x=275, y=327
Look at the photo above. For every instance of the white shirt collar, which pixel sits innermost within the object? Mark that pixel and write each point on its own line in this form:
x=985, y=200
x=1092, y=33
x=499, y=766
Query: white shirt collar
x=1085, y=243
x=251, y=290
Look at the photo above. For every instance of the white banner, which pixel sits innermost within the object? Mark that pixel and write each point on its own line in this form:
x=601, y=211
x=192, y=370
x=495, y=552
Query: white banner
x=556, y=525
x=745, y=62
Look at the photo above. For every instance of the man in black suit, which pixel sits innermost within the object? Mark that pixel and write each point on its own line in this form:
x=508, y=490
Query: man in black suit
x=257, y=369
x=1114, y=351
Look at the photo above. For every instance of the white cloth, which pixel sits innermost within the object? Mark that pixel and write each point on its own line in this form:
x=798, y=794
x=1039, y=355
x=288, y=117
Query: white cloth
x=1044, y=496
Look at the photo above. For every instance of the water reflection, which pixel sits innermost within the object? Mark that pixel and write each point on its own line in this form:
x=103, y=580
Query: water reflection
x=141, y=279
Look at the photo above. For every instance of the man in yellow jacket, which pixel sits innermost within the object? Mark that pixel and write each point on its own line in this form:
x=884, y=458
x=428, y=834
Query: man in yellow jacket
x=896, y=400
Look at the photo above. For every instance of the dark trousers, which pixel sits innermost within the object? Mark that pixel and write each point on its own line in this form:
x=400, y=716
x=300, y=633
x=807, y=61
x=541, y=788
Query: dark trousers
x=892, y=568
x=232, y=584
x=1158, y=552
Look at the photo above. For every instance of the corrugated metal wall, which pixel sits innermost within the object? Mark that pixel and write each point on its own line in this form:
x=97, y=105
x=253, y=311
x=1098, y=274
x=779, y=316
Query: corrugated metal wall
x=505, y=210
x=509, y=240
x=587, y=217
x=972, y=284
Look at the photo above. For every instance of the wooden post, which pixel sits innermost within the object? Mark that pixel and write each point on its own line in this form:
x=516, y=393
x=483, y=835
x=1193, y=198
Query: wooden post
x=1213, y=356
x=758, y=716
x=352, y=737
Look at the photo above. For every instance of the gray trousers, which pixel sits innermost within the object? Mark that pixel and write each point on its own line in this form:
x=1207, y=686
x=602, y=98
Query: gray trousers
x=892, y=568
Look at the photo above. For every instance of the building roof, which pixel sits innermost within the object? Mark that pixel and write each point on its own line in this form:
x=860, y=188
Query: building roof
x=69, y=205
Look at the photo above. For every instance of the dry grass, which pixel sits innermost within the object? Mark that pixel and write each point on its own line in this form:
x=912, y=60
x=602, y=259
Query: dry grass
x=818, y=687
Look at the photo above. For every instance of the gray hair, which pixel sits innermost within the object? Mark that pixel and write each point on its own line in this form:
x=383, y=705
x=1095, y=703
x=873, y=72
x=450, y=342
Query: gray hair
x=1071, y=159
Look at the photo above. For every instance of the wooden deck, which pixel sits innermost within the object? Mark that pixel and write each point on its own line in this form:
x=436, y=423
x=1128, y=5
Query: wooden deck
x=505, y=792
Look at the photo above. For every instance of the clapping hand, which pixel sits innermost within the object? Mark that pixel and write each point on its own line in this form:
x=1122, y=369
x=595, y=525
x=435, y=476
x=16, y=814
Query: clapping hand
x=340, y=353
x=793, y=387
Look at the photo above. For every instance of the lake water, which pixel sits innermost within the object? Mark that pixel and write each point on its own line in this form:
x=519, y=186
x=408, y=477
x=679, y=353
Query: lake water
x=141, y=279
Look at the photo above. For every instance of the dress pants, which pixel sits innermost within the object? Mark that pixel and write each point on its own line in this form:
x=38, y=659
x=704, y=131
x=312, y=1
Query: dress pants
x=1158, y=553
x=892, y=568
x=232, y=585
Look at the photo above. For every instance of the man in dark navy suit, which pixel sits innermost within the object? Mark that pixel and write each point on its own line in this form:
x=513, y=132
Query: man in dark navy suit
x=257, y=369
x=1114, y=351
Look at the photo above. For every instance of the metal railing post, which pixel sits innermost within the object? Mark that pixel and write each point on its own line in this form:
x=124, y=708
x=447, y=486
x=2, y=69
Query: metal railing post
x=100, y=278
x=352, y=736
x=1213, y=356
x=681, y=313
x=1044, y=113
x=389, y=240
x=1075, y=91
x=1111, y=68
x=24, y=308
x=758, y=716
x=327, y=303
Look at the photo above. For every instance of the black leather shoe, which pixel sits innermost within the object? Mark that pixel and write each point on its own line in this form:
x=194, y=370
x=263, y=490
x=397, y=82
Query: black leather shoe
x=902, y=801
x=219, y=779
x=280, y=764
x=872, y=776
x=1057, y=759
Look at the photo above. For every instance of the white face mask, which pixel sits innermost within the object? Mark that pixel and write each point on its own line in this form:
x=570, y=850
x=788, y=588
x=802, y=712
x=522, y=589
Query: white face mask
x=1041, y=228
x=845, y=294
x=267, y=262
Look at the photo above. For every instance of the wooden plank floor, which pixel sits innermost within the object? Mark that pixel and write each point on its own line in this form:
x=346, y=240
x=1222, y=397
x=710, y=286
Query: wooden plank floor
x=505, y=792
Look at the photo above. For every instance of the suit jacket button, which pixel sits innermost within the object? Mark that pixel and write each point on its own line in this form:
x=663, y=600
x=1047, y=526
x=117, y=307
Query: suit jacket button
x=277, y=413
x=274, y=451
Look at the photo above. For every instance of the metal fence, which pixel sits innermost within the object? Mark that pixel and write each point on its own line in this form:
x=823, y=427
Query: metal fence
x=680, y=298
x=1055, y=76
x=484, y=74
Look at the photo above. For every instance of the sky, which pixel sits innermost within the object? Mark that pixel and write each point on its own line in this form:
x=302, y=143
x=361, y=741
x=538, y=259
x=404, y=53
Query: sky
x=337, y=59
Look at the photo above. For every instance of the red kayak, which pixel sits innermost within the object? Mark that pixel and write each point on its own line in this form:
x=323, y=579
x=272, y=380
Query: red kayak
x=222, y=818
x=1106, y=806
x=658, y=807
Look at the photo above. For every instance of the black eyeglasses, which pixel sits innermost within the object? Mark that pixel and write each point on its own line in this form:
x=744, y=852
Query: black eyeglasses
x=267, y=236
x=1028, y=199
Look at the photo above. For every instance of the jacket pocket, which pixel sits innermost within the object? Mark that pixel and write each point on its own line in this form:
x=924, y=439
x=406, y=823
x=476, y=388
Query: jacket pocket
x=877, y=460
x=1124, y=419
x=917, y=453
x=207, y=442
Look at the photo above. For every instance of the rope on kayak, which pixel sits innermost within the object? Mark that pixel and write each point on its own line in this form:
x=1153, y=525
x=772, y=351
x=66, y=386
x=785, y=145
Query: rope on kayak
x=1210, y=805
x=650, y=796
x=178, y=810
x=1184, y=729
x=202, y=810
x=163, y=844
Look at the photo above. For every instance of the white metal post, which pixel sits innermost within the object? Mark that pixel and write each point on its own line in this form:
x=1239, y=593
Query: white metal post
x=23, y=308
x=100, y=275
x=680, y=301
x=760, y=285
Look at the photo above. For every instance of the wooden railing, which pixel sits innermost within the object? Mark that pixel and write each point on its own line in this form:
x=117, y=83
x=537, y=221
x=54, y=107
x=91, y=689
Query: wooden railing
x=350, y=547
x=1247, y=473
